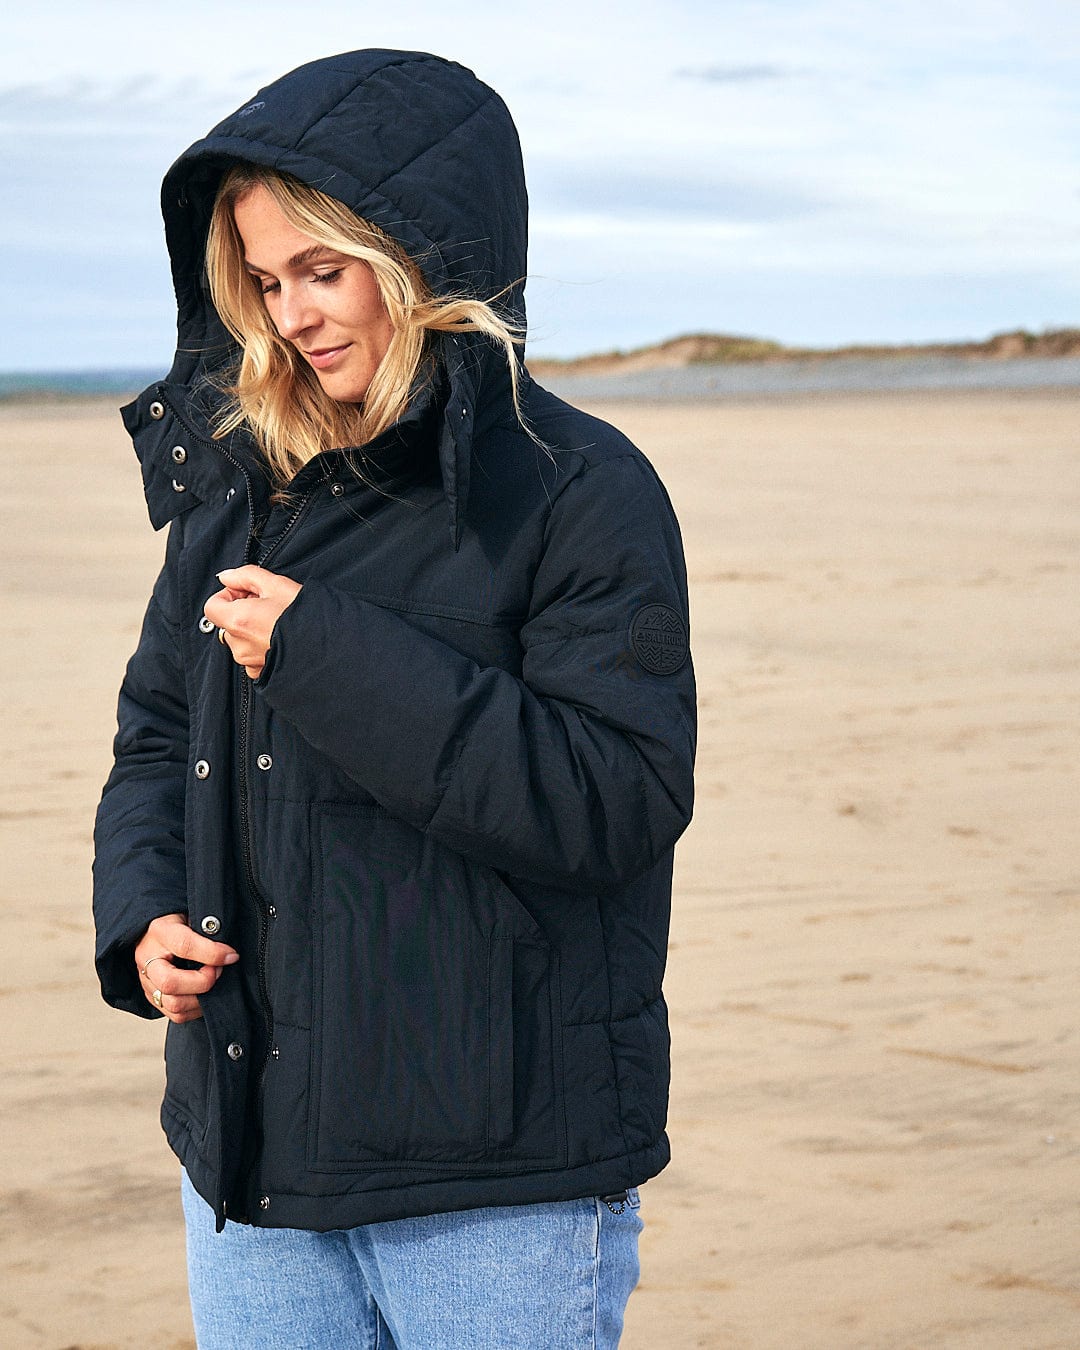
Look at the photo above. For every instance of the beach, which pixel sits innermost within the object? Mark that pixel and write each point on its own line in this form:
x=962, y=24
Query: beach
x=876, y=918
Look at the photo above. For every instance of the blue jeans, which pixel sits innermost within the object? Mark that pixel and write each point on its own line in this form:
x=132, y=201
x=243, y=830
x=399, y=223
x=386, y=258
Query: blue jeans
x=521, y=1277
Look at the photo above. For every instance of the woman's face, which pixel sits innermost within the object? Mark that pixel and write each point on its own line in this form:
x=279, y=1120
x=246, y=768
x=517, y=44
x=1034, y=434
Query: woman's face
x=323, y=302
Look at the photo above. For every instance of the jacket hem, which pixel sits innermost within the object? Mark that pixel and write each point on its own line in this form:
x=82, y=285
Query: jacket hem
x=326, y=1213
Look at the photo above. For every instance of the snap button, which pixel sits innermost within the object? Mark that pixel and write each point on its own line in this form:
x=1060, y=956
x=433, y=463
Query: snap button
x=235, y=1050
x=157, y=410
x=179, y=454
x=264, y=1202
x=178, y=487
x=211, y=925
x=265, y=762
x=205, y=625
x=202, y=769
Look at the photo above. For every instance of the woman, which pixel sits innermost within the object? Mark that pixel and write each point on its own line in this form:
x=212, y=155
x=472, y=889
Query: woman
x=388, y=838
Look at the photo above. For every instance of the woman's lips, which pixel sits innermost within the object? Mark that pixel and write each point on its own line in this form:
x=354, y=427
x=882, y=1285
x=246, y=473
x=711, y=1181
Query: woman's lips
x=325, y=357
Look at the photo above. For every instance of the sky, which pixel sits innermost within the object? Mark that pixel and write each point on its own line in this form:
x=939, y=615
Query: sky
x=815, y=171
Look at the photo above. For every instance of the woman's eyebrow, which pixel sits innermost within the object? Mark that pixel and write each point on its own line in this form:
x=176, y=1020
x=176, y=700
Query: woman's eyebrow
x=305, y=256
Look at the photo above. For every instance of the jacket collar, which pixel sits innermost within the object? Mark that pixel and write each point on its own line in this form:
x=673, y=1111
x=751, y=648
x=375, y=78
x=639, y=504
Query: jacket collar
x=183, y=464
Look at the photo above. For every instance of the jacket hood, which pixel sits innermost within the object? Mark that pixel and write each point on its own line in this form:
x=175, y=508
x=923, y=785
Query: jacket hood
x=414, y=143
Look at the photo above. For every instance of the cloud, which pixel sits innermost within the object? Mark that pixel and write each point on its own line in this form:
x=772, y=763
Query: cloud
x=131, y=107
x=815, y=170
x=621, y=191
x=744, y=74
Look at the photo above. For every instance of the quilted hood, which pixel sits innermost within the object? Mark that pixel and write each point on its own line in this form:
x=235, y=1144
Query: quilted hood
x=414, y=143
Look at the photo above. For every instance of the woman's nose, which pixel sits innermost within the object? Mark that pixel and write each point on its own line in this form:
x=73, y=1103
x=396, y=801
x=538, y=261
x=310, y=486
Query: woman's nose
x=295, y=312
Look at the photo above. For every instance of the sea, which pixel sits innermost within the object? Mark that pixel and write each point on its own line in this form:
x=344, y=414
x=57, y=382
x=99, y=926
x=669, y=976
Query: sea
x=678, y=384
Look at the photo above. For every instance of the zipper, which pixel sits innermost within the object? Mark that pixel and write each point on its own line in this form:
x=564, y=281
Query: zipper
x=256, y=897
x=245, y=796
x=245, y=747
x=299, y=510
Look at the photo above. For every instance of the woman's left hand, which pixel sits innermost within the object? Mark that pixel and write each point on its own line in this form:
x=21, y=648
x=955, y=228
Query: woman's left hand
x=245, y=610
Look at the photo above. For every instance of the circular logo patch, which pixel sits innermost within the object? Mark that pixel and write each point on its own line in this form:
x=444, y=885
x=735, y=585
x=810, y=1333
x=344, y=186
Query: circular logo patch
x=658, y=637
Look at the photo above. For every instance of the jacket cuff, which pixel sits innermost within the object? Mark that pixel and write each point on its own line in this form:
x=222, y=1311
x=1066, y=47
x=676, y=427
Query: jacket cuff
x=119, y=974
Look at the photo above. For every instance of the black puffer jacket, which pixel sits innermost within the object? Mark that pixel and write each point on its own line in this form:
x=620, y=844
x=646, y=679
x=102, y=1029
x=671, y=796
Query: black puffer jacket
x=439, y=827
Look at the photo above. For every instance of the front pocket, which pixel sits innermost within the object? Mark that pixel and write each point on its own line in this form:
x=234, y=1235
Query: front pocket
x=188, y=1073
x=432, y=1001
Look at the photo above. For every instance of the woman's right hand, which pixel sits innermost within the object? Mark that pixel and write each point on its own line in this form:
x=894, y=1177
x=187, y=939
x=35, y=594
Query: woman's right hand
x=170, y=936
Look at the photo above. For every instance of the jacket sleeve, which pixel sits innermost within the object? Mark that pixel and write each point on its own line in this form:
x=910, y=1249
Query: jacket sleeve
x=139, y=870
x=578, y=773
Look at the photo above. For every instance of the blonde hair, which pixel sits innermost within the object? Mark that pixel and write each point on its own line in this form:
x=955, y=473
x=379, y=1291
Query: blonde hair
x=273, y=391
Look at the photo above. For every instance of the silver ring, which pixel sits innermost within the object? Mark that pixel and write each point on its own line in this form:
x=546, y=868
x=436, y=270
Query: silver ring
x=149, y=963
x=221, y=637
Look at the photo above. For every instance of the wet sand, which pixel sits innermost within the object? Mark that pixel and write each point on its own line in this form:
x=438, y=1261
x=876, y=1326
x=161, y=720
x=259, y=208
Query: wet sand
x=877, y=917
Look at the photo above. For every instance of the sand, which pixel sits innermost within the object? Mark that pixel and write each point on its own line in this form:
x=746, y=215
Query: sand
x=876, y=925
